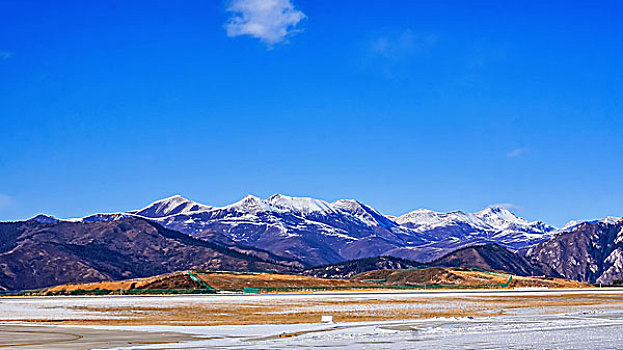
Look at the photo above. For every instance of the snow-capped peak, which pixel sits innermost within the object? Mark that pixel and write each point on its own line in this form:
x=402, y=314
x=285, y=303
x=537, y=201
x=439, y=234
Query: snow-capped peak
x=364, y=212
x=171, y=206
x=500, y=217
x=420, y=212
x=105, y=217
x=571, y=224
x=574, y=223
x=249, y=203
x=349, y=205
x=428, y=218
x=610, y=220
x=493, y=223
x=281, y=202
x=44, y=219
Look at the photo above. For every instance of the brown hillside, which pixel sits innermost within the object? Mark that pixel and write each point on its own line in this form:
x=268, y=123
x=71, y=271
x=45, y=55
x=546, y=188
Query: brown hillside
x=216, y=280
x=461, y=277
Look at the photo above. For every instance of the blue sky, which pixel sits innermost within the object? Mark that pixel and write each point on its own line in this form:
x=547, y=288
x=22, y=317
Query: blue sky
x=110, y=105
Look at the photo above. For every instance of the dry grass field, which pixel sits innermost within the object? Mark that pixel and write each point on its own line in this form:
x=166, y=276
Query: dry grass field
x=221, y=281
x=463, y=277
x=417, y=278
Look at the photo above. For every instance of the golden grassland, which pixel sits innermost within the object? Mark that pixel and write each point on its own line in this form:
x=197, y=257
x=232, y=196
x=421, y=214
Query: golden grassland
x=237, y=281
x=225, y=281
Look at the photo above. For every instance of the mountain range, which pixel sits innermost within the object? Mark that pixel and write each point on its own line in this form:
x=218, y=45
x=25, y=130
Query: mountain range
x=295, y=234
x=317, y=232
x=485, y=256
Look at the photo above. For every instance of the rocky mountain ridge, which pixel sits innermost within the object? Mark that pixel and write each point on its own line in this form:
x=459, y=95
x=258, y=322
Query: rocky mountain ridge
x=36, y=254
x=298, y=233
x=588, y=252
x=317, y=232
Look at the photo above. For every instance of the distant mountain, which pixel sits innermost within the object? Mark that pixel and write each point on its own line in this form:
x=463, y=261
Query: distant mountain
x=350, y=268
x=42, y=252
x=573, y=223
x=589, y=251
x=284, y=232
x=317, y=232
x=171, y=206
x=494, y=257
x=494, y=224
x=310, y=230
x=486, y=256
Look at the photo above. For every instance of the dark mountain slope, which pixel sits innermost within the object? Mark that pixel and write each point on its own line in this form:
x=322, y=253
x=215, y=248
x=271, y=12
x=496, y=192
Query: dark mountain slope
x=493, y=257
x=348, y=269
x=35, y=254
x=589, y=252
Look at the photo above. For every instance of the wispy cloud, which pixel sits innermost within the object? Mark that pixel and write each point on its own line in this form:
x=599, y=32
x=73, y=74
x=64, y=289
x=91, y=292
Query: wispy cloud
x=5, y=201
x=517, y=152
x=401, y=45
x=271, y=21
x=5, y=55
x=508, y=206
x=393, y=54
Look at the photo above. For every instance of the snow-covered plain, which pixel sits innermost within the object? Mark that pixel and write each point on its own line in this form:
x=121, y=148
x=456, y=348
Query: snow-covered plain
x=543, y=319
x=567, y=331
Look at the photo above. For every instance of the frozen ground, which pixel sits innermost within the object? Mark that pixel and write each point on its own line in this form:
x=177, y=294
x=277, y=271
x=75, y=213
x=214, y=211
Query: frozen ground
x=99, y=307
x=575, y=319
x=568, y=331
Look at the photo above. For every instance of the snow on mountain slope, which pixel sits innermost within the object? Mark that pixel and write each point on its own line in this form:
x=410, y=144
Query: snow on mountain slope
x=305, y=205
x=104, y=217
x=365, y=213
x=171, y=206
x=280, y=203
x=491, y=225
x=44, y=219
x=573, y=223
x=304, y=228
x=424, y=220
x=317, y=232
x=515, y=231
x=500, y=218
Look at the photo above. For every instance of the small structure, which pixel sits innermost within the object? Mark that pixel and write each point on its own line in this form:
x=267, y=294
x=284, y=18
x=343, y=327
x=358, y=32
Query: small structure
x=326, y=318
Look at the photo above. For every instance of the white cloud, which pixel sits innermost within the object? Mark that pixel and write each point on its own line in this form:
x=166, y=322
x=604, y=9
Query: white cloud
x=516, y=152
x=5, y=55
x=271, y=21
